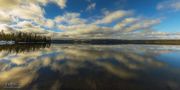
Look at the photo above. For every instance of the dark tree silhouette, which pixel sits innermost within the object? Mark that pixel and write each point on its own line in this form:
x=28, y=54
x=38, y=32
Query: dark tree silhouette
x=24, y=37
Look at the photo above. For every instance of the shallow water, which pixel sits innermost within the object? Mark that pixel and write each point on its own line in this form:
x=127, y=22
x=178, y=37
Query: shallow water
x=92, y=67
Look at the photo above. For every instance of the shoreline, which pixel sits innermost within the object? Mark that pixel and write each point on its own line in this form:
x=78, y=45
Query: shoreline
x=116, y=42
x=99, y=42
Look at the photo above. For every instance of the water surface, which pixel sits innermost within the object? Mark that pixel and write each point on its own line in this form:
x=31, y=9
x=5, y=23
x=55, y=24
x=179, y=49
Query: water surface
x=91, y=67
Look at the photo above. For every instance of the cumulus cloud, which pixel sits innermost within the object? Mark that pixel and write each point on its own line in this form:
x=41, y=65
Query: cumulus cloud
x=24, y=24
x=30, y=11
x=125, y=22
x=94, y=30
x=4, y=18
x=173, y=5
x=70, y=18
x=25, y=9
x=110, y=17
x=20, y=13
x=34, y=29
x=9, y=3
x=50, y=23
x=145, y=24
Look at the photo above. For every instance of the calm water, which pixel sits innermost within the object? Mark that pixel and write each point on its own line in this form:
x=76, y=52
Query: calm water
x=91, y=67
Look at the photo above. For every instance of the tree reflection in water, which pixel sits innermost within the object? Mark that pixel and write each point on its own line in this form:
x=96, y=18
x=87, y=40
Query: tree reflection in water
x=89, y=67
x=19, y=48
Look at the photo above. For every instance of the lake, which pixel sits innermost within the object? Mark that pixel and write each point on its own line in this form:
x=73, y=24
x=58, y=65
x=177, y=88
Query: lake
x=90, y=67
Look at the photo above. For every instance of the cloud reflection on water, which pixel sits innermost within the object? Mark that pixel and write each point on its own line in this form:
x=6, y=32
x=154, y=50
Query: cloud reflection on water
x=89, y=67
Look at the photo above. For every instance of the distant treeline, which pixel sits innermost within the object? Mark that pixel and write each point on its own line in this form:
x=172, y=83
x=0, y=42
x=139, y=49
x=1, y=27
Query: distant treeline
x=116, y=41
x=24, y=37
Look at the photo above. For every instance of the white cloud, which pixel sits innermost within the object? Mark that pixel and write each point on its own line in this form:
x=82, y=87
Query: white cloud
x=124, y=23
x=34, y=29
x=173, y=5
x=43, y=2
x=145, y=24
x=50, y=23
x=91, y=6
x=31, y=11
x=6, y=29
x=83, y=30
x=4, y=4
x=24, y=24
x=110, y=17
x=86, y=29
x=61, y=3
x=95, y=31
x=4, y=18
x=70, y=18
x=27, y=11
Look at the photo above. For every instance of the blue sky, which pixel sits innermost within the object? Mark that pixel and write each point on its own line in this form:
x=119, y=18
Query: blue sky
x=90, y=18
x=145, y=7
